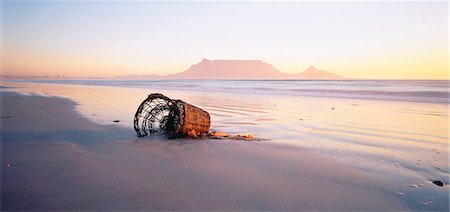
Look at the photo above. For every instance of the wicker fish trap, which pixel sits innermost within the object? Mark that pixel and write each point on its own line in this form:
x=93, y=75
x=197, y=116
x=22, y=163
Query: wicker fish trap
x=159, y=113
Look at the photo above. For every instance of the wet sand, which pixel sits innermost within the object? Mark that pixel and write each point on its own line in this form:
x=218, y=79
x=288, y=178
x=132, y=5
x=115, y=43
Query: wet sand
x=54, y=159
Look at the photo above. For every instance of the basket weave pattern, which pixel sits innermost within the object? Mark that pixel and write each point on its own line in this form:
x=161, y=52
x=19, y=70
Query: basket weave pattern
x=195, y=119
x=159, y=113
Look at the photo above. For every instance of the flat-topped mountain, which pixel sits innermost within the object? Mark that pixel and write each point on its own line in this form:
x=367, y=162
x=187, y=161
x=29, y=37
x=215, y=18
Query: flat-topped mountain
x=245, y=69
x=230, y=69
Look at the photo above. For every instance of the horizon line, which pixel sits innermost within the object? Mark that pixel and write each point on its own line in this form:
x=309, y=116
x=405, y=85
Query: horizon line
x=230, y=79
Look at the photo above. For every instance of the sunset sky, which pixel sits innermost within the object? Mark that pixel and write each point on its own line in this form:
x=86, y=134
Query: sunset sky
x=374, y=40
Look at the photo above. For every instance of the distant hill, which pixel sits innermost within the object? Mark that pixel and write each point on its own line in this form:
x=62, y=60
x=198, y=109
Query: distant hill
x=139, y=77
x=313, y=73
x=245, y=69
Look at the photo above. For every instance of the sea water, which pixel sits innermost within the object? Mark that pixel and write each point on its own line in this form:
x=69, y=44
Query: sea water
x=405, y=90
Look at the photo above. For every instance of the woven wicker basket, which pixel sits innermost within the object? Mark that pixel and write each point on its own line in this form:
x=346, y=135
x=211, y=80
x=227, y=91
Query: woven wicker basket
x=194, y=119
x=159, y=113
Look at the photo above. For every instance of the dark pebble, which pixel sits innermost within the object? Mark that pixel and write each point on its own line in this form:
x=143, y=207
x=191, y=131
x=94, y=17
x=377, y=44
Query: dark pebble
x=116, y=121
x=301, y=119
x=438, y=183
x=6, y=117
x=332, y=108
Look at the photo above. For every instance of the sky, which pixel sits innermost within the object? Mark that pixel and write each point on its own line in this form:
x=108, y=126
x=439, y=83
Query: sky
x=373, y=40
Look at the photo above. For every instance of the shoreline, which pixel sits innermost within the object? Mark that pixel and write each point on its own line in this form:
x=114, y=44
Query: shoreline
x=370, y=94
x=66, y=162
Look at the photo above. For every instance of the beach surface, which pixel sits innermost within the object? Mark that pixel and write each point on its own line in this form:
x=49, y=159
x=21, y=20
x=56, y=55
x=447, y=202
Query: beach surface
x=62, y=150
x=54, y=159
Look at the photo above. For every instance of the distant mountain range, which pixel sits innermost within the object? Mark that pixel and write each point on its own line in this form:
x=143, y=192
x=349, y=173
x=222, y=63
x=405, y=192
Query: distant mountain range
x=238, y=69
x=139, y=77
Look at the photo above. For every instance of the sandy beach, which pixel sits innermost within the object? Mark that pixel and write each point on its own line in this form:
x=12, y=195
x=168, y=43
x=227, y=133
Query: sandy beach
x=54, y=159
x=61, y=150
